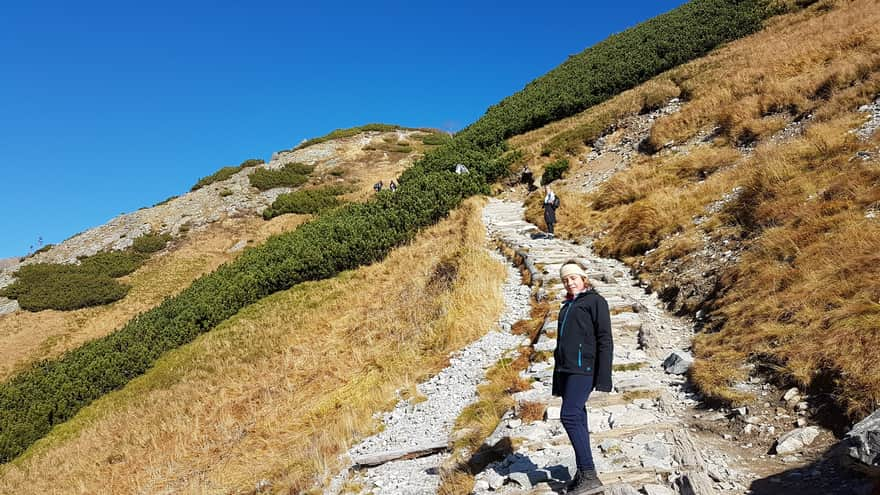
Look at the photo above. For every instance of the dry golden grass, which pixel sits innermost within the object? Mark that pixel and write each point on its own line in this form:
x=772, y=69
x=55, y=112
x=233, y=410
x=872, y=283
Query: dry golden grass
x=570, y=137
x=364, y=164
x=532, y=411
x=494, y=398
x=804, y=297
x=478, y=420
x=26, y=337
x=281, y=389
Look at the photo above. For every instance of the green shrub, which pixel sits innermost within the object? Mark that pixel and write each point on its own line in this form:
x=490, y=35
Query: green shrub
x=63, y=287
x=168, y=199
x=554, y=171
x=220, y=175
x=620, y=62
x=251, y=162
x=225, y=173
x=308, y=201
x=435, y=139
x=391, y=147
x=111, y=263
x=290, y=175
x=352, y=131
x=587, y=133
x=43, y=249
x=150, y=243
x=299, y=168
x=226, y=192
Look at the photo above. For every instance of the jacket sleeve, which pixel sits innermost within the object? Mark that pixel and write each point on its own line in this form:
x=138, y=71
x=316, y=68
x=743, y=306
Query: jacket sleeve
x=604, y=347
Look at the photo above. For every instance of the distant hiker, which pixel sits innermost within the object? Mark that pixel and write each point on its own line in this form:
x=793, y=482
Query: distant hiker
x=526, y=177
x=392, y=185
x=551, y=202
x=377, y=186
x=582, y=363
x=461, y=169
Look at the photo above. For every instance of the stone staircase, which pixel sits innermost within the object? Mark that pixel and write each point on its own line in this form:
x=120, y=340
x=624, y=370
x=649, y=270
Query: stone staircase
x=639, y=432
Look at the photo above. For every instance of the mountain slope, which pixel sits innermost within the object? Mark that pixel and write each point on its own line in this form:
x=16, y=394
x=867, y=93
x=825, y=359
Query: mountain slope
x=749, y=202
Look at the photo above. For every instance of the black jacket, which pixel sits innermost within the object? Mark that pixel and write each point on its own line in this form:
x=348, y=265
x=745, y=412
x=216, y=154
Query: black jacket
x=550, y=211
x=584, y=345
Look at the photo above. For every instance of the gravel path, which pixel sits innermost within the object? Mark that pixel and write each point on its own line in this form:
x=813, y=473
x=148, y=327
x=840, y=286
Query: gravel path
x=649, y=435
x=413, y=423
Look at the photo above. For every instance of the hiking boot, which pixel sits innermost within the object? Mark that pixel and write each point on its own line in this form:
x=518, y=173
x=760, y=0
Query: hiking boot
x=584, y=483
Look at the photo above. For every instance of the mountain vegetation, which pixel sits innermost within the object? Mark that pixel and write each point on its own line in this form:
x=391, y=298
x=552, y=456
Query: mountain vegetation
x=762, y=163
x=50, y=393
x=91, y=282
x=225, y=173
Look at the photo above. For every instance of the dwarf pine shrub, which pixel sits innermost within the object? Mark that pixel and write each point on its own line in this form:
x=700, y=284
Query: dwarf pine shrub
x=66, y=287
x=352, y=131
x=225, y=173
x=62, y=287
x=435, y=138
x=308, y=201
x=290, y=175
x=112, y=264
x=150, y=243
x=554, y=171
x=220, y=175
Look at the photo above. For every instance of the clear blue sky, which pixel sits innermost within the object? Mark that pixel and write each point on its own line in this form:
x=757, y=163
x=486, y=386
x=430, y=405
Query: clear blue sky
x=106, y=107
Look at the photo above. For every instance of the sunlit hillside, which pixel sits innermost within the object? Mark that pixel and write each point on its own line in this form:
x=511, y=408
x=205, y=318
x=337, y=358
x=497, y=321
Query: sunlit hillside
x=757, y=192
x=278, y=391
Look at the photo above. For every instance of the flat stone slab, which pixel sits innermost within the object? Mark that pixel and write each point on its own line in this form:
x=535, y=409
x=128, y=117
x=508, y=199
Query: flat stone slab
x=637, y=383
x=634, y=417
x=630, y=322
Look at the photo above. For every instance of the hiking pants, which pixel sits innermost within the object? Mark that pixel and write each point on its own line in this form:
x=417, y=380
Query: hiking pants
x=574, y=417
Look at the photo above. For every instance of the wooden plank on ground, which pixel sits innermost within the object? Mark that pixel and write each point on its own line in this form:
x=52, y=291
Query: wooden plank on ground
x=376, y=459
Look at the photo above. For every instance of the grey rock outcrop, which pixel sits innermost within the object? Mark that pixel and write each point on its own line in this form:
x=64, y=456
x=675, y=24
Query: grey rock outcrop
x=862, y=444
x=678, y=363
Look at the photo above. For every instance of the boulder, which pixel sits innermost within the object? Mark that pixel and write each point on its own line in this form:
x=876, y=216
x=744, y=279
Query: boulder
x=862, y=444
x=678, y=362
x=796, y=440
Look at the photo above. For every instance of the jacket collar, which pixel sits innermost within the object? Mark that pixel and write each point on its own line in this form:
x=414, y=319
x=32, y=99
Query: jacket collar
x=578, y=295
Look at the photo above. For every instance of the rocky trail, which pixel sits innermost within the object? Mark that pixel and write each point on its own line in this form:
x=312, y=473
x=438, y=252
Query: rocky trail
x=649, y=435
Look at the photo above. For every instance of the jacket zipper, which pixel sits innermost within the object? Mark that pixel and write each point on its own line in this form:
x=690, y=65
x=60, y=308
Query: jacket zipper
x=564, y=318
x=579, y=354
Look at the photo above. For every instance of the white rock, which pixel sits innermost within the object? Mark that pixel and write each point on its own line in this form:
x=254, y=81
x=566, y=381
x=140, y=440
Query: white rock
x=657, y=490
x=631, y=418
x=792, y=392
x=630, y=322
x=796, y=440
x=494, y=480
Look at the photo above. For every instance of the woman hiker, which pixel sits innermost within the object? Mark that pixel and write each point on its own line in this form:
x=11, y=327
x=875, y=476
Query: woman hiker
x=583, y=355
x=551, y=202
